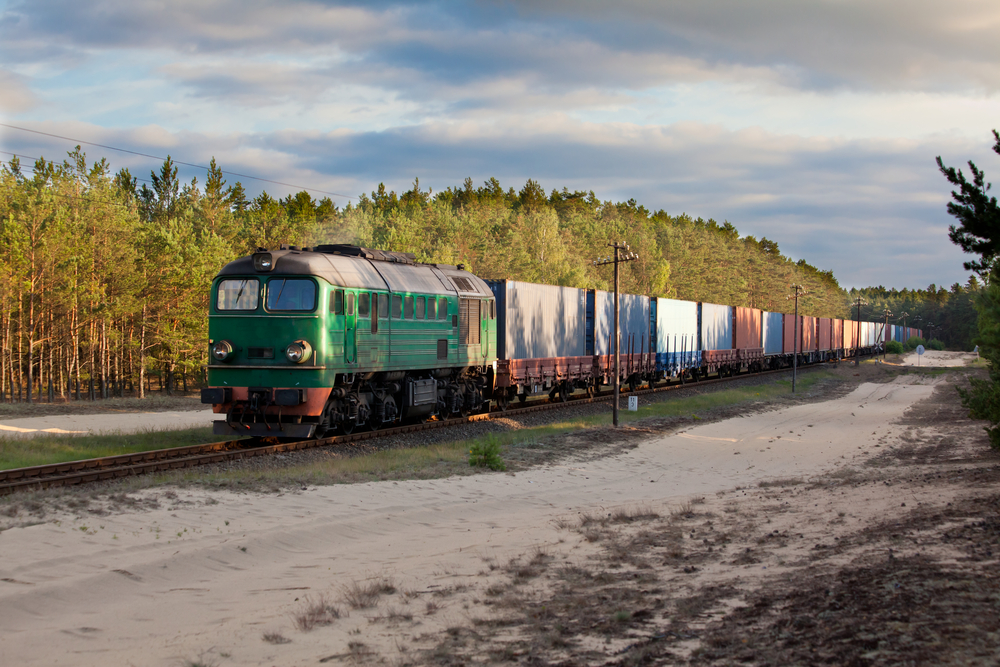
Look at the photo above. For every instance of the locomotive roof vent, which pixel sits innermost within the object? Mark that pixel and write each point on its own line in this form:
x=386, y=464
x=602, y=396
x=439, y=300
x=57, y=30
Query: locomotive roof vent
x=367, y=253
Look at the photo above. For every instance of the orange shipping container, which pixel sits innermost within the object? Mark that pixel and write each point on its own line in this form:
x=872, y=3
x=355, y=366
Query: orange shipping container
x=748, y=323
x=838, y=334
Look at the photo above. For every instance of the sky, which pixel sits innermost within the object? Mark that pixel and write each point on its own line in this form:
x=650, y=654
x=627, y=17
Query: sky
x=814, y=123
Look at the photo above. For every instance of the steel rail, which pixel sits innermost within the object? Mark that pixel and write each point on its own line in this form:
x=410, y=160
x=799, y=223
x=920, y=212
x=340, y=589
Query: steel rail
x=127, y=465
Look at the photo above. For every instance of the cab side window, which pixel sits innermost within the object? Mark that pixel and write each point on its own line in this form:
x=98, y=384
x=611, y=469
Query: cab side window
x=337, y=302
x=364, y=304
x=442, y=308
x=350, y=303
x=432, y=308
x=397, y=306
x=408, y=307
x=383, y=306
x=419, y=308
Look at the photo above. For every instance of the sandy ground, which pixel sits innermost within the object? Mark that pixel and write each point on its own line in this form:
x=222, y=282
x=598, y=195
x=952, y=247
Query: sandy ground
x=198, y=578
x=119, y=422
x=939, y=359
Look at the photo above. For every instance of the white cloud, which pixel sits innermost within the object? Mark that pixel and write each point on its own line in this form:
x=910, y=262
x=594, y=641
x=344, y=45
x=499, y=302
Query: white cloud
x=16, y=96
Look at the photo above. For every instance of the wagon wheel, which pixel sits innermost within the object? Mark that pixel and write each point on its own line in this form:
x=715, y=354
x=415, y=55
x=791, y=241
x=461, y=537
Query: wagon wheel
x=563, y=392
x=590, y=390
x=521, y=398
x=503, y=401
x=633, y=384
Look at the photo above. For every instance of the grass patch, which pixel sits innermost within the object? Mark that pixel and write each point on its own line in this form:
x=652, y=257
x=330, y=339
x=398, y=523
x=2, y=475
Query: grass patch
x=314, y=613
x=44, y=449
x=485, y=453
x=363, y=595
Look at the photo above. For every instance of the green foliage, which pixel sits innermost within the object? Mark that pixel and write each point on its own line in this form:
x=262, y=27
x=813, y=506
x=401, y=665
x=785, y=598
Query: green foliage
x=104, y=280
x=529, y=237
x=935, y=344
x=894, y=347
x=978, y=232
x=946, y=314
x=978, y=214
x=485, y=453
x=913, y=341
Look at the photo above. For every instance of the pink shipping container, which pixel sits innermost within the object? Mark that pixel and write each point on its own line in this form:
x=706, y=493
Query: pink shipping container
x=825, y=332
x=748, y=328
x=838, y=333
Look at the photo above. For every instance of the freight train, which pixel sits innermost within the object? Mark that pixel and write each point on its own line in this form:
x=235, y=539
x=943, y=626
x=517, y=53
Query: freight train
x=304, y=342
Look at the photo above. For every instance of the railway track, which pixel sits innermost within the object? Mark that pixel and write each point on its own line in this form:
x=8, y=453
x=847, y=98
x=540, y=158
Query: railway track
x=128, y=465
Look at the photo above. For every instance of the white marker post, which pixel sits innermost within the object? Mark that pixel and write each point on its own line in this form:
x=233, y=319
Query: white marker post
x=633, y=403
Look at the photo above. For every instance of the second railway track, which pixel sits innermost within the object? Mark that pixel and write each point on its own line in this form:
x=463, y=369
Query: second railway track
x=127, y=465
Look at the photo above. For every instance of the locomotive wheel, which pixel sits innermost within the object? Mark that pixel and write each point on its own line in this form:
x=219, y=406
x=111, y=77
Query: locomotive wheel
x=347, y=427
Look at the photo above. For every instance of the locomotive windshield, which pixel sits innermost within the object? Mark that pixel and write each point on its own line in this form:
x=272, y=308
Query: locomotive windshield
x=239, y=294
x=291, y=294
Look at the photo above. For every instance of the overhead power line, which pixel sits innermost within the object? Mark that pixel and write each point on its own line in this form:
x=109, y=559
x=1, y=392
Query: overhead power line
x=186, y=164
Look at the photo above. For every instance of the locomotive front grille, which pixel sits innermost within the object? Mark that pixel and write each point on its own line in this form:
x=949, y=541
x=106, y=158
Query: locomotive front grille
x=260, y=353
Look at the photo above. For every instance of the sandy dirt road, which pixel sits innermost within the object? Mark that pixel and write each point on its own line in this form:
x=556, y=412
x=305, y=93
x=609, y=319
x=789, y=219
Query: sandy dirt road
x=120, y=422
x=203, y=577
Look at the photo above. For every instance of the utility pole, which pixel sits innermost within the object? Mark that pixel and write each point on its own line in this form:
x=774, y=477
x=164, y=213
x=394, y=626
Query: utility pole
x=795, y=331
x=857, y=351
x=885, y=332
x=622, y=254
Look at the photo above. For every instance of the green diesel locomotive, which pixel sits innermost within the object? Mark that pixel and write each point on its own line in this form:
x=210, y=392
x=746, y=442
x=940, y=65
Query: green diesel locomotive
x=308, y=341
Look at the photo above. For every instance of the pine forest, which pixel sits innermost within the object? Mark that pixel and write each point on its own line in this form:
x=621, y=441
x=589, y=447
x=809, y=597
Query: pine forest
x=105, y=283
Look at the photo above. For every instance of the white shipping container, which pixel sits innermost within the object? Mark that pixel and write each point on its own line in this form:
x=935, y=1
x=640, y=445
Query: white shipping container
x=716, y=327
x=676, y=325
x=633, y=320
x=539, y=321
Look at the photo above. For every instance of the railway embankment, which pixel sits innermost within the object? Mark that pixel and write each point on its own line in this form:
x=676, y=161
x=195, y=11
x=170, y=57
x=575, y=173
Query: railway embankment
x=854, y=525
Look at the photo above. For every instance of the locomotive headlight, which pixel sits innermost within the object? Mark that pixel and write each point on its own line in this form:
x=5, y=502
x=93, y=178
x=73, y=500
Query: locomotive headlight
x=262, y=261
x=222, y=351
x=298, y=352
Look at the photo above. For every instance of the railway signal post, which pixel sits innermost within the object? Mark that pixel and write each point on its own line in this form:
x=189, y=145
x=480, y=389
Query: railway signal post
x=622, y=254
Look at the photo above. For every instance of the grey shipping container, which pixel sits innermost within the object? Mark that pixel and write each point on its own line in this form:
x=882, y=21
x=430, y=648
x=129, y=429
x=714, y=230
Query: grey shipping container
x=633, y=320
x=716, y=327
x=772, y=333
x=539, y=321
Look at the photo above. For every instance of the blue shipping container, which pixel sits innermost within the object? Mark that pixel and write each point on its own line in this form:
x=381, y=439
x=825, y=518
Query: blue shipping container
x=772, y=323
